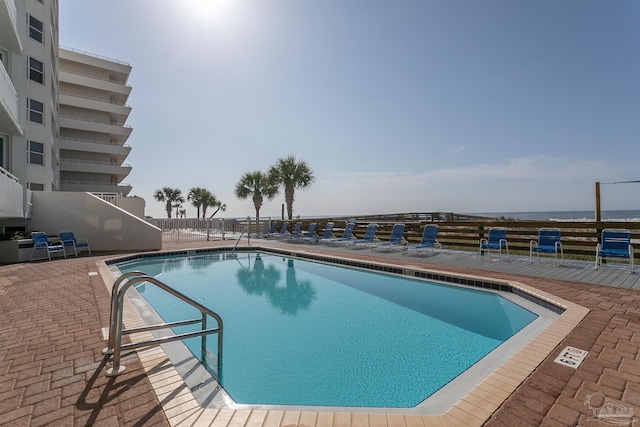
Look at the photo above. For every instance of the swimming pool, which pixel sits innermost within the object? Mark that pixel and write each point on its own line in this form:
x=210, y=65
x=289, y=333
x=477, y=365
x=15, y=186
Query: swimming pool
x=260, y=294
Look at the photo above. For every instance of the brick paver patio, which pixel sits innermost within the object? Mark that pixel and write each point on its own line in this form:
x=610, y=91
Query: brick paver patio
x=52, y=370
x=51, y=365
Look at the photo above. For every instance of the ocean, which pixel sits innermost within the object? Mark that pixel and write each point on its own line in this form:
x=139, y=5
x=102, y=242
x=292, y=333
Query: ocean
x=610, y=215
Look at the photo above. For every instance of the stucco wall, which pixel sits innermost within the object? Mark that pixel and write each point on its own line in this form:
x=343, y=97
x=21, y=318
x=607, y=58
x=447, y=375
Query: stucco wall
x=107, y=227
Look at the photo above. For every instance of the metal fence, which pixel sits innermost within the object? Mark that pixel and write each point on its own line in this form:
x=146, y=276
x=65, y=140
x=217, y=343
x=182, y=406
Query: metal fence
x=206, y=229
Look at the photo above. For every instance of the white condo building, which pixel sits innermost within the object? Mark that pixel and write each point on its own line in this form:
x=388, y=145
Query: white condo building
x=63, y=127
x=93, y=131
x=29, y=94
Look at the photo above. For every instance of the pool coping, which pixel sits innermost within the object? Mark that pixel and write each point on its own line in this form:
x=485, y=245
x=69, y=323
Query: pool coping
x=474, y=409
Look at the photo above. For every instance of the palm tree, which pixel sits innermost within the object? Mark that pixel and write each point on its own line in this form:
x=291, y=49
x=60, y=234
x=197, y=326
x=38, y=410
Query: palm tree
x=222, y=207
x=170, y=196
x=211, y=201
x=177, y=203
x=291, y=174
x=257, y=185
x=196, y=196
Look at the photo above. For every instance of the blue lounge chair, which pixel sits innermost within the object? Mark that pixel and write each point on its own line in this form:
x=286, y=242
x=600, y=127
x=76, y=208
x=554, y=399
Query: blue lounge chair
x=310, y=233
x=615, y=243
x=346, y=235
x=495, y=241
x=271, y=232
x=428, y=241
x=295, y=232
x=326, y=234
x=69, y=241
x=41, y=242
x=369, y=236
x=281, y=233
x=396, y=241
x=548, y=242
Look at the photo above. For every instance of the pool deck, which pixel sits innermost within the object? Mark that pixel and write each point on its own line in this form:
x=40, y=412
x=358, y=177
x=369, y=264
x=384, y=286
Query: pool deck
x=52, y=371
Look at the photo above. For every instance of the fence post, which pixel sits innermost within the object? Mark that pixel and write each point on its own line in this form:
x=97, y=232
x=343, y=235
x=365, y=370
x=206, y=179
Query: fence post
x=222, y=226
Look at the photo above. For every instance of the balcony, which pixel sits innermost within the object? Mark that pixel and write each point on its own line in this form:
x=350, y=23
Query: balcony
x=117, y=69
x=119, y=130
x=86, y=145
x=95, y=167
x=8, y=29
x=8, y=104
x=94, y=82
x=95, y=187
x=119, y=111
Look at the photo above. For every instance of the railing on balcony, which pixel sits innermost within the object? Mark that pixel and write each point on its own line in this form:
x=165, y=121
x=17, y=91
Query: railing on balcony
x=91, y=76
x=90, y=98
x=84, y=119
x=94, y=162
x=8, y=94
x=93, y=183
x=93, y=141
x=11, y=190
x=95, y=55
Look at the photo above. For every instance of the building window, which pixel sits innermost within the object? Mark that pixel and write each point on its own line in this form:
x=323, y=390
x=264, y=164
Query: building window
x=36, y=111
x=36, y=70
x=35, y=186
x=36, y=153
x=36, y=29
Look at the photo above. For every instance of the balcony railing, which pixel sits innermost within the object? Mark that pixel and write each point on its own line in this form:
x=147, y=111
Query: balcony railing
x=11, y=189
x=93, y=141
x=94, y=162
x=82, y=119
x=90, y=76
x=92, y=183
x=106, y=58
x=90, y=98
x=10, y=97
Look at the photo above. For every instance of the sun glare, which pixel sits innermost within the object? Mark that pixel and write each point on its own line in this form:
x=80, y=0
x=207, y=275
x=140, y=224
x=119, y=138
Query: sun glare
x=208, y=11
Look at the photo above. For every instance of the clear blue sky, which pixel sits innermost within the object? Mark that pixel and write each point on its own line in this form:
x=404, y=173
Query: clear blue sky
x=397, y=105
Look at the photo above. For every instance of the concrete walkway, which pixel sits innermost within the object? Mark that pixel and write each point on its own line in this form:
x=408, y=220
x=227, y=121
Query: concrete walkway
x=52, y=370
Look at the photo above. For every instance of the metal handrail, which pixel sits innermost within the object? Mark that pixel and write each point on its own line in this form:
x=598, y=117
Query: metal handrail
x=115, y=345
x=238, y=241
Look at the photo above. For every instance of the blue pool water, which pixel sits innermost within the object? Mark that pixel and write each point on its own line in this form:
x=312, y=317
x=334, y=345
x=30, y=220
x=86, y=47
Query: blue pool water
x=303, y=333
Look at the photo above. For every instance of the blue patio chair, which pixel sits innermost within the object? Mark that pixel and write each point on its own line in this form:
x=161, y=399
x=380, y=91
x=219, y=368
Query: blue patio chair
x=428, y=241
x=346, y=235
x=615, y=243
x=548, y=242
x=396, y=241
x=495, y=241
x=281, y=233
x=369, y=236
x=41, y=242
x=69, y=241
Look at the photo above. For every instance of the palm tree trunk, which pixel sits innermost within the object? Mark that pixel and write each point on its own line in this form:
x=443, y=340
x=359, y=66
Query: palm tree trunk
x=288, y=197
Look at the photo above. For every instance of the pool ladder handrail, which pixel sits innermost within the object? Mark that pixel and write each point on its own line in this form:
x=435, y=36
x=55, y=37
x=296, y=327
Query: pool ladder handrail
x=115, y=346
x=238, y=241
